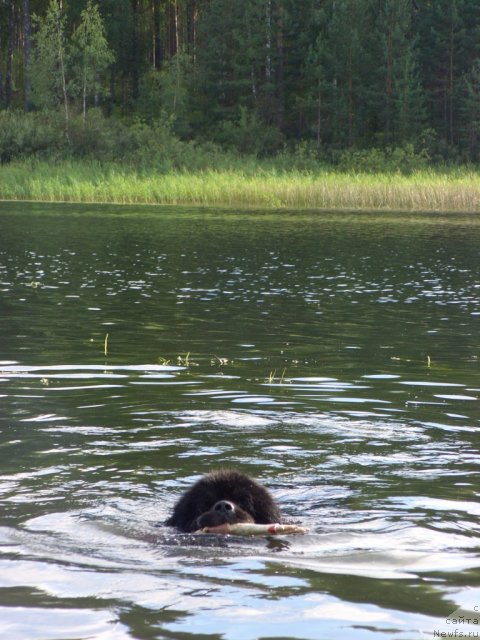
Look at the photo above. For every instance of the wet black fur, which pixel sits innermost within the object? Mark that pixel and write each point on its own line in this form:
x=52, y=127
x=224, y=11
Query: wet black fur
x=251, y=502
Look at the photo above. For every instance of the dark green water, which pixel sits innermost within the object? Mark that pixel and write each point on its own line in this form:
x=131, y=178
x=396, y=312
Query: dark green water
x=333, y=357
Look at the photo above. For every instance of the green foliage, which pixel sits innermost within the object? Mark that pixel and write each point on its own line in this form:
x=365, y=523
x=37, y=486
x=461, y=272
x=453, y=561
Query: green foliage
x=255, y=77
x=232, y=37
x=65, y=69
x=471, y=112
x=249, y=135
x=23, y=135
x=150, y=103
x=166, y=93
x=403, y=101
x=90, y=55
x=154, y=145
x=404, y=160
x=49, y=58
x=94, y=136
x=136, y=143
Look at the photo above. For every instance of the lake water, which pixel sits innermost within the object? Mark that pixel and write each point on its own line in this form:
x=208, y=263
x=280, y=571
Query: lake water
x=334, y=357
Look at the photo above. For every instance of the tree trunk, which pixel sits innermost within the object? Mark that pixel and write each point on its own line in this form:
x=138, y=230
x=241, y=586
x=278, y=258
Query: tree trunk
x=268, y=58
x=27, y=34
x=65, y=96
x=96, y=95
x=319, y=114
x=350, y=102
x=84, y=99
x=194, y=33
x=113, y=90
x=157, y=38
x=177, y=35
x=1, y=77
x=450, y=84
x=389, y=83
x=10, y=43
x=280, y=69
x=135, y=47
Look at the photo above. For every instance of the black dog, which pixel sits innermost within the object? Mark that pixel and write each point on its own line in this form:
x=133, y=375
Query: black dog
x=223, y=497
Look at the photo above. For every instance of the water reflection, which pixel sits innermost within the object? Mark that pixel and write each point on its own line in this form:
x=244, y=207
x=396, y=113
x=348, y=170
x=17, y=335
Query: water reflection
x=334, y=358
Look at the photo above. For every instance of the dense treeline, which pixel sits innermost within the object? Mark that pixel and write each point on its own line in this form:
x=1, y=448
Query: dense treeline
x=256, y=76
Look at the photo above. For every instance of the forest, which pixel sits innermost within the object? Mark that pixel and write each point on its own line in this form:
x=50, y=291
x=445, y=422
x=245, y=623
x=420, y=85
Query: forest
x=346, y=81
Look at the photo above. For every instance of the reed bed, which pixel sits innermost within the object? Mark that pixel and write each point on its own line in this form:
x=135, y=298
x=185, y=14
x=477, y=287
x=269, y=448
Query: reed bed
x=426, y=190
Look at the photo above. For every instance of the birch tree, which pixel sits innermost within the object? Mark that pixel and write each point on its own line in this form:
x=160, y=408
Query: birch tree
x=49, y=79
x=91, y=55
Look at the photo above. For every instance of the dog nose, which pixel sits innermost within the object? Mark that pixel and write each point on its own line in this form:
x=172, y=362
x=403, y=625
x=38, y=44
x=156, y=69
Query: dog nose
x=223, y=506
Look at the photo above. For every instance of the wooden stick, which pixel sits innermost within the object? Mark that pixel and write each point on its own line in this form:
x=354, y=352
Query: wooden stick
x=251, y=529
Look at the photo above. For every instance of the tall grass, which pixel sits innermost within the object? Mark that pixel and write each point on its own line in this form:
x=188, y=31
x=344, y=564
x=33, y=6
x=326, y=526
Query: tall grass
x=265, y=187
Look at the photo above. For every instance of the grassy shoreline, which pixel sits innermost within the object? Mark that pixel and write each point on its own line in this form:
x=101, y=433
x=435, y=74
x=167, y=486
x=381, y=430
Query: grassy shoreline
x=267, y=188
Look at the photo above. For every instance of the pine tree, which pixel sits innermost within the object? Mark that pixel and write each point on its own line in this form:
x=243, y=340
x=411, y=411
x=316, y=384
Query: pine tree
x=27, y=31
x=239, y=59
x=403, y=95
x=410, y=114
x=470, y=110
x=312, y=100
x=442, y=31
x=349, y=69
x=10, y=48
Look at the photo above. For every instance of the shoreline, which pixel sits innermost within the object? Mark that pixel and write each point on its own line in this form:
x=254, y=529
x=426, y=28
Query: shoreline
x=425, y=191
x=233, y=208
